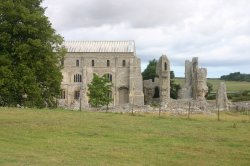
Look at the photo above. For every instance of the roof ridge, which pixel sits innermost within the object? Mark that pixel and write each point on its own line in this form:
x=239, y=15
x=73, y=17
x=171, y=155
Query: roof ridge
x=100, y=46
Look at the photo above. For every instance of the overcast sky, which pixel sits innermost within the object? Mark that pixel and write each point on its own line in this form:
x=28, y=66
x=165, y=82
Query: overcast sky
x=216, y=31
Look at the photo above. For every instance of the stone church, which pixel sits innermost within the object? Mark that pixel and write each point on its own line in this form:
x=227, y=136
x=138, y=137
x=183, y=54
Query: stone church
x=115, y=59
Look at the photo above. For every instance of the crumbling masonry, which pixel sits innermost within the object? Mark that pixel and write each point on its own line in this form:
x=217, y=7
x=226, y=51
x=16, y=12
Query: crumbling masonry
x=158, y=90
x=195, y=81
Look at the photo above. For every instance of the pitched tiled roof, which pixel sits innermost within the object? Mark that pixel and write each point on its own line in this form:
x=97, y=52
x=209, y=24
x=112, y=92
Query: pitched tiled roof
x=100, y=46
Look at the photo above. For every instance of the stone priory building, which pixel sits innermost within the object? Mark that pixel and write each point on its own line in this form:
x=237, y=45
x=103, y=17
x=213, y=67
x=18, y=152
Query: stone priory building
x=115, y=59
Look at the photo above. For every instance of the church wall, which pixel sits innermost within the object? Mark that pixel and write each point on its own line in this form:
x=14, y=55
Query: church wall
x=120, y=74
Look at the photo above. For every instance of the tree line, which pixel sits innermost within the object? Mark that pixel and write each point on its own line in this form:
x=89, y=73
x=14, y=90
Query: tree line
x=237, y=76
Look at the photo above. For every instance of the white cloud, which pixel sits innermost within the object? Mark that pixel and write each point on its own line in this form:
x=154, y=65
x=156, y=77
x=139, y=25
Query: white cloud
x=216, y=31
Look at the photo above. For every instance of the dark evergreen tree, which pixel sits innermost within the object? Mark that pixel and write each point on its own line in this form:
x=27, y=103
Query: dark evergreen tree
x=30, y=51
x=150, y=71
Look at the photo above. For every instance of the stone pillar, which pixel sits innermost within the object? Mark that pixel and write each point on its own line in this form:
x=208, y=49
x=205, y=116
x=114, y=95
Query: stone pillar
x=137, y=81
x=136, y=96
x=163, y=71
x=131, y=81
x=201, y=84
x=195, y=81
x=221, y=97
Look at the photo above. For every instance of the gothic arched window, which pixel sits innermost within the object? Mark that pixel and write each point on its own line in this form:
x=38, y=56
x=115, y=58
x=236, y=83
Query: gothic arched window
x=77, y=78
x=123, y=63
x=109, y=76
x=108, y=63
x=77, y=63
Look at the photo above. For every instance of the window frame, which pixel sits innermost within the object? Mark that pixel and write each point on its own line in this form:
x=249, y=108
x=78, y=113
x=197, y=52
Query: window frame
x=123, y=63
x=108, y=63
x=77, y=63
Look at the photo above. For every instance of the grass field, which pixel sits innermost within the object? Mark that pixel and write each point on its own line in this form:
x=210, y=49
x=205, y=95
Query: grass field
x=232, y=86
x=59, y=137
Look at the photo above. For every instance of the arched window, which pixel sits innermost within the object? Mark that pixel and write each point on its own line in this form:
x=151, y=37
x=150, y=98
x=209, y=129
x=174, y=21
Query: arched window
x=108, y=63
x=109, y=76
x=93, y=63
x=63, y=94
x=157, y=92
x=77, y=78
x=123, y=63
x=77, y=63
x=165, y=66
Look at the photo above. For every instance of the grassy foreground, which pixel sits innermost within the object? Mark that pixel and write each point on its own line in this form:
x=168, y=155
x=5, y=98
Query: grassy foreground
x=59, y=137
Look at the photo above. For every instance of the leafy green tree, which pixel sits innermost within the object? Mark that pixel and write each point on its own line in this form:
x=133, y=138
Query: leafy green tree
x=100, y=91
x=174, y=88
x=150, y=73
x=30, y=51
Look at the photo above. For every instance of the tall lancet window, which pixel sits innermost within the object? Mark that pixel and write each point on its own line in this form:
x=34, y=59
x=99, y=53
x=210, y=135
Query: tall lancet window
x=77, y=63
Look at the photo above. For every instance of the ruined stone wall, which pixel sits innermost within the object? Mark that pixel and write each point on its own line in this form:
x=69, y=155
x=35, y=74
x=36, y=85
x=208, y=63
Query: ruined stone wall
x=195, y=86
x=161, y=84
x=150, y=88
x=163, y=71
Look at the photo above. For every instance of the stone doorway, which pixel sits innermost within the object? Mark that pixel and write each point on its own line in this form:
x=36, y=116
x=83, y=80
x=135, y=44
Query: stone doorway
x=123, y=95
x=156, y=92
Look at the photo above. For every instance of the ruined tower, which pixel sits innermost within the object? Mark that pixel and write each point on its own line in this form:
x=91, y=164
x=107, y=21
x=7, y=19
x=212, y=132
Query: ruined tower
x=221, y=97
x=195, y=81
x=163, y=71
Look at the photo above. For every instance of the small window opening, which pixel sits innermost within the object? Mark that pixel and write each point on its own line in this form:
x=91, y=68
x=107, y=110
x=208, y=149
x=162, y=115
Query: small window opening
x=62, y=94
x=123, y=63
x=108, y=63
x=77, y=63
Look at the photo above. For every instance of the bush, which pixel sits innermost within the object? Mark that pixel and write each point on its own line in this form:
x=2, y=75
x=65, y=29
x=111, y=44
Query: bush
x=242, y=96
x=211, y=96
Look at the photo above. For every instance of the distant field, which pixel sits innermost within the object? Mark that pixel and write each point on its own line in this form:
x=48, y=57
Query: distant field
x=232, y=86
x=59, y=137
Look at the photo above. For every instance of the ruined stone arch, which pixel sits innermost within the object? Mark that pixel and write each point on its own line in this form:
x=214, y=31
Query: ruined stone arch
x=123, y=95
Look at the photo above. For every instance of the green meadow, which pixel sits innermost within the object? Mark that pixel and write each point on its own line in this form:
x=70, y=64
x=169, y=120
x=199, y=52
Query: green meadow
x=63, y=137
x=232, y=86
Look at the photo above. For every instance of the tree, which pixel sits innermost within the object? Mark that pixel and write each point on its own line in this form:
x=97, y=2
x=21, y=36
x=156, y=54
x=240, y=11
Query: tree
x=150, y=73
x=30, y=51
x=100, y=90
x=237, y=76
x=174, y=88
